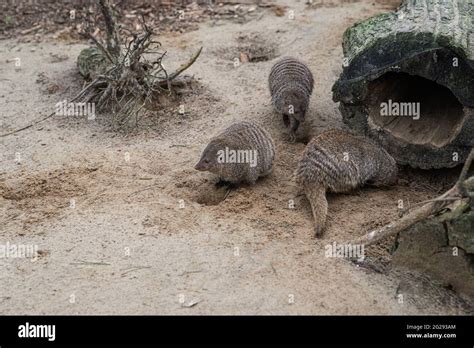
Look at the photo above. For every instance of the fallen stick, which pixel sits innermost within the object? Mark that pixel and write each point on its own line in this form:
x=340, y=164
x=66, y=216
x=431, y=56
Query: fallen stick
x=30, y=30
x=458, y=191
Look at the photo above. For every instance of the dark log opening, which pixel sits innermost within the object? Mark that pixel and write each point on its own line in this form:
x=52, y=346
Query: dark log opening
x=428, y=113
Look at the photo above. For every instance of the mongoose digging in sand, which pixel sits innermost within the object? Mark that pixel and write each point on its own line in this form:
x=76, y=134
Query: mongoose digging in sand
x=291, y=85
x=340, y=161
x=241, y=153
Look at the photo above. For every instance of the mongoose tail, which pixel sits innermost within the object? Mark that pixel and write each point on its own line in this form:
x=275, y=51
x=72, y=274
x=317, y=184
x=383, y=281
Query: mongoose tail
x=316, y=196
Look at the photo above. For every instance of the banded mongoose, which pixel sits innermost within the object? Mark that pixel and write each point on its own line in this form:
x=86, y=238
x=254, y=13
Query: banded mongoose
x=339, y=161
x=291, y=85
x=241, y=153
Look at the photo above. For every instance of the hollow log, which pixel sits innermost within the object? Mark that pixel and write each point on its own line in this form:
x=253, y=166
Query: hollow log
x=408, y=81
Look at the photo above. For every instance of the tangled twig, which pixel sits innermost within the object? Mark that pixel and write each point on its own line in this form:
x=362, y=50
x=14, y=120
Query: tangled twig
x=133, y=82
x=127, y=82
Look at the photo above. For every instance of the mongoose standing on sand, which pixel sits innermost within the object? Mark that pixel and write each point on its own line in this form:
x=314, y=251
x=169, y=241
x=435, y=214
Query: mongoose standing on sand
x=340, y=161
x=291, y=85
x=241, y=153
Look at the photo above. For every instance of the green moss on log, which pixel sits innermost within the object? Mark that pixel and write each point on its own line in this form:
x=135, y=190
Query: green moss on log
x=91, y=62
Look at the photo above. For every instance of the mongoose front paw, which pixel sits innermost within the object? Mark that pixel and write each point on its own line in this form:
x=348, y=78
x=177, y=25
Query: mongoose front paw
x=292, y=137
x=318, y=231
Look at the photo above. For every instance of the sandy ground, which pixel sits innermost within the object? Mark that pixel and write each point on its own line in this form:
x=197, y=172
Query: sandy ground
x=146, y=234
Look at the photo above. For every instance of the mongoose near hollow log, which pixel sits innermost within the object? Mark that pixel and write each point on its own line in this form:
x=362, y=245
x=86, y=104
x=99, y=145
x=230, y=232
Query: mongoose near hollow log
x=241, y=153
x=291, y=84
x=339, y=161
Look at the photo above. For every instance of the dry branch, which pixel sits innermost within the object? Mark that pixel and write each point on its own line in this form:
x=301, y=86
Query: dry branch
x=185, y=66
x=113, y=39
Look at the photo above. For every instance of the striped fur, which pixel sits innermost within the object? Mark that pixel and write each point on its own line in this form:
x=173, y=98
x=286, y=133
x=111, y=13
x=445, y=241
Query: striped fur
x=340, y=161
x=291, y=85
x=239, y=136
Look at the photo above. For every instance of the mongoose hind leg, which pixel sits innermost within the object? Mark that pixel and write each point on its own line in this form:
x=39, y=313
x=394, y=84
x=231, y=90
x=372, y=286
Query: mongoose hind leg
x=385, y=177
x=252, y=176
x=267, y=172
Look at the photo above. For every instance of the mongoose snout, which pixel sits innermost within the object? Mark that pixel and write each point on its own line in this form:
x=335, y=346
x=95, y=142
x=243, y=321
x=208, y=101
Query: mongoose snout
x=208, y=158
